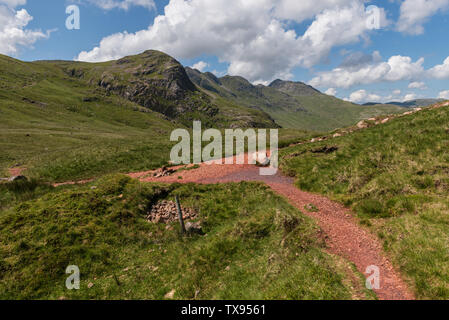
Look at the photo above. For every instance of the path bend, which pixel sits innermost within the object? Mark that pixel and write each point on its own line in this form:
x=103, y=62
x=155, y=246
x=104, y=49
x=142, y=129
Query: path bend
x=345, y=237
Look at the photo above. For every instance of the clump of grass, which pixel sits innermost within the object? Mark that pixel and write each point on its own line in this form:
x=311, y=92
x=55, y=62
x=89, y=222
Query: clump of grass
x=194, y=167
x=311, y=208
x=21, y=190
x=371, y=207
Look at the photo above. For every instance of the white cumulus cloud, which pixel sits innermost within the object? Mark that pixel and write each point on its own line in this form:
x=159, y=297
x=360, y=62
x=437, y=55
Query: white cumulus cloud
x=200, y=66
x=250, y=35
x=410, y=96
x=336, y=27
x=305, y=9
x=440, y=71
x=13, y=31
x=415, y=13
x=331, y=92
x=444, y=95
x=123, y=4
x=363, y=96
x=13, y=3
x=417, y=85
x=395, y=69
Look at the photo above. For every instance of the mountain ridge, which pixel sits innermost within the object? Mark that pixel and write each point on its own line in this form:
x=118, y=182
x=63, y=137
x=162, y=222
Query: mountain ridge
x=159, y=82
x=293, y=105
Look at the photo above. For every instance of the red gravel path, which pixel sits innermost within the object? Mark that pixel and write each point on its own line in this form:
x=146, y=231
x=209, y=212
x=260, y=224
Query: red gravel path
x=344, y=235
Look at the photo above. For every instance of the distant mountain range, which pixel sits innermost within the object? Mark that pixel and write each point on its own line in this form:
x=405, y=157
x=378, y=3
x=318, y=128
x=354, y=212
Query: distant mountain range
x=408, y=104
x=157, y=82
x=290, y=104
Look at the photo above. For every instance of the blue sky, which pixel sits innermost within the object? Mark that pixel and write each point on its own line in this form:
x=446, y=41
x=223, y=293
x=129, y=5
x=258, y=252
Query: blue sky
x=310, y=41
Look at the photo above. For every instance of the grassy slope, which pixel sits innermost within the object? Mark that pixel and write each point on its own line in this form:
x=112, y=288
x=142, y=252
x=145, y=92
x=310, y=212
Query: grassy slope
x=317, y=112
x=48, y=125
x=63, y=129
x=257, y=246
x=396, y=176
x=325, y=113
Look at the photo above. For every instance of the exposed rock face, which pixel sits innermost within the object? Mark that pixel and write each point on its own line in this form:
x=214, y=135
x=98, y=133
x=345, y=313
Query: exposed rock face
x=153, y=80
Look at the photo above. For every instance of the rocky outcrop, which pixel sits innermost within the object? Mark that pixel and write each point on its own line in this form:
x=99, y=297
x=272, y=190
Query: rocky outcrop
x=160, y=83
x=153, y=80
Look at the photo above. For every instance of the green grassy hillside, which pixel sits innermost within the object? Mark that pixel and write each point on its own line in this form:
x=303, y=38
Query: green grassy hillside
x=256, y=246
x=64, y=129
x=292, y=105
x=68, y=120
x=396, y=177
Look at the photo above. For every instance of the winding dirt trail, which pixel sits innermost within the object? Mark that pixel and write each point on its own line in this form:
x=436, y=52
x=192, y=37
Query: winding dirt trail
x=345, y=237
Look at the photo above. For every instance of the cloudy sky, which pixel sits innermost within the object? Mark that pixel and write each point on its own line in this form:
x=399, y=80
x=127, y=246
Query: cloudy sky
x=354, y=49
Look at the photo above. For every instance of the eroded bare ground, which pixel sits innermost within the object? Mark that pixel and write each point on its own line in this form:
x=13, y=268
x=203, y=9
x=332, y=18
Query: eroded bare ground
x=345, y=237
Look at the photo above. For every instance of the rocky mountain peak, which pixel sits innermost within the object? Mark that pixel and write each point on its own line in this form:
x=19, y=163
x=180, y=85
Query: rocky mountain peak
x=294, y=88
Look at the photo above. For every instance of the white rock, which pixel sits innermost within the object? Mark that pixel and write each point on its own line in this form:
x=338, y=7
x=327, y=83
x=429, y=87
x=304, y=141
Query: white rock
x=261, y=158
x=170, y=295
x=362, y=124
